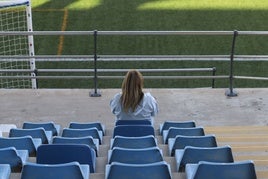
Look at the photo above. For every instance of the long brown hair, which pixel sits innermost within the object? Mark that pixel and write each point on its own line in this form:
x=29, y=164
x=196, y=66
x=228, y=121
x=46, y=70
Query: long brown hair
x=132, y=90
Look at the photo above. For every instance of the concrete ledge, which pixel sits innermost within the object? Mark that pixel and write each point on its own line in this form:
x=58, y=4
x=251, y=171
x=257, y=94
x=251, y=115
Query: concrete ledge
x=208, y=107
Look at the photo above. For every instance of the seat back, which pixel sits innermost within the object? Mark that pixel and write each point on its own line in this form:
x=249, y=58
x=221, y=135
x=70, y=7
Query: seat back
x=88, y=140
x=196, y=154
x=173, y=132
x=9, y=156
x=64, y=153
x=67, y=171
x=134, y=142
x=196, y=141
x=20, y=143
x=48, y=126
x=180, y=124
x=135, y=156
x=34, y=133
x=241, y=169
x=93, y=132
x=133, y=122
x=133, y=130
x=76, y=125
x=159, y=170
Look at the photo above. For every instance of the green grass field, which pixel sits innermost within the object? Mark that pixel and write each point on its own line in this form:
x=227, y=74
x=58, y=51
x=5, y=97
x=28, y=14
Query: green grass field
x=156, y=15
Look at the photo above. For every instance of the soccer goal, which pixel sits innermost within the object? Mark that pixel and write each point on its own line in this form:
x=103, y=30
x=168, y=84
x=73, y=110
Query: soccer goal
x=16, y=15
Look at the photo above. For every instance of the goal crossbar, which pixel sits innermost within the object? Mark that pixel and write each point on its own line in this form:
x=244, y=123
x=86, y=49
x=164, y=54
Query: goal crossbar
x=5, y=4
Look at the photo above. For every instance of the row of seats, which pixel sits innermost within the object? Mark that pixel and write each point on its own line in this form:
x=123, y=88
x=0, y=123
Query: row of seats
x=199, y=156
x=134, y=152
x=67, y=153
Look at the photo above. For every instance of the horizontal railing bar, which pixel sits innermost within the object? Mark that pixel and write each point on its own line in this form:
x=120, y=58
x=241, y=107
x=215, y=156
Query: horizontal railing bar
x=115, y=56
x=161, y=70
x=253, y=32
x=251, y=78
x=133, y=33
x=26, y=57
x=117, y=33
x=133, y=57
x=112, y=77
x=165, y=32
x=105, y=70
x=46, y=77
x=170, y=77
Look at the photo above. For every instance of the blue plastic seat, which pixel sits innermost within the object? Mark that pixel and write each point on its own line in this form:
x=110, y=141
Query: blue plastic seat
x=174, y=131
x=211, y=170
x=195, y=154
x=5, y=171
x=64, y=153
x=133, y=130
x=48, y=126
x=21, y=143
x=134, y=142
x=93, y=132
x=180, y=142
x=77, y=125
x=133, y=122
x=93, y=143
x=15, y=158
x=135, y=156
x=159, y=170
x=180, y=124
x=72, y=170
x=45, y=136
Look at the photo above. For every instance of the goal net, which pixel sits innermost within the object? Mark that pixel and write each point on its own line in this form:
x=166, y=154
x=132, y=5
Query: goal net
x=15, y=16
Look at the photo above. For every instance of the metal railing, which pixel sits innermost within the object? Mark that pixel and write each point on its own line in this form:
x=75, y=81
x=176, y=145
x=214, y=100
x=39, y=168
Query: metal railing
x=95, y=57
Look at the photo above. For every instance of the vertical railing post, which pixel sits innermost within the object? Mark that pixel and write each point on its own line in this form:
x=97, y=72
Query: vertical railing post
x=95, y=92
x=213, y=74
x=230, y=92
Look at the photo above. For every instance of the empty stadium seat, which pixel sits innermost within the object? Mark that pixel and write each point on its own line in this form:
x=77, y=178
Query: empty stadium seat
x=133, y=142
x=180, y=124
x=21, y=143
x=133, y=122
x=5, y=171
x=93, y=132
x=180, y=142
x=72, y=170
x=135, y=156
x=133, y=130
x=195, y=154
x=15, y=158
x=159, y=170
x=45, y=136
x=64, y=153
x=211, y=170
x=77, y=125
x=48, y=126
x=174, y=131
x=88, y=140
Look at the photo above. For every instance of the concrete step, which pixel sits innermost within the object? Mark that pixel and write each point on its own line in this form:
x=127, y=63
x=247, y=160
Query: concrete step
x=233, y=130
x=262, y=174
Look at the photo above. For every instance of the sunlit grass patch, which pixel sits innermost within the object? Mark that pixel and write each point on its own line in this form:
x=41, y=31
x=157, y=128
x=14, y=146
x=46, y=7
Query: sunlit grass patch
x=205, y=4
x=84, y=4
x=78, y=4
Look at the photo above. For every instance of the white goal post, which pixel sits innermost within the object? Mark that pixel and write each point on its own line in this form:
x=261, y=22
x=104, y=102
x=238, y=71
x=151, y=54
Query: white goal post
x=16, y=15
